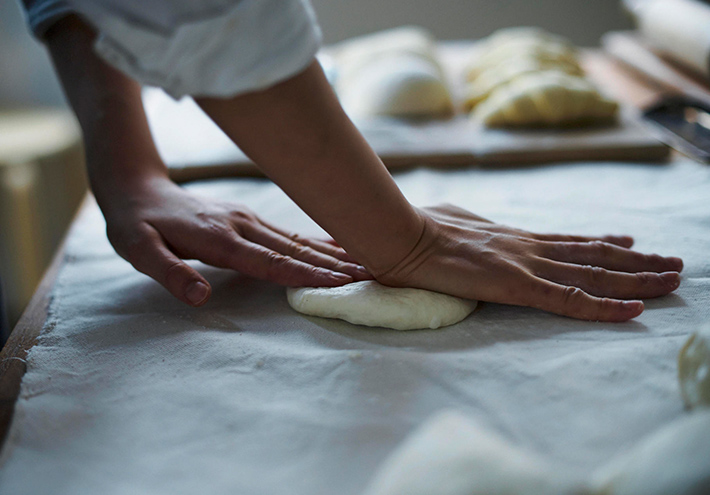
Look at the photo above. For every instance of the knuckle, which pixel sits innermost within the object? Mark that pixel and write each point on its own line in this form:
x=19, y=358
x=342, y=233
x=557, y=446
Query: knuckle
x=174, y=273
x=135, y=247
x=276, y=263
x=644, y=278
x=602, y=249
x=572, y=296
x=594, y=275
x=242, y=215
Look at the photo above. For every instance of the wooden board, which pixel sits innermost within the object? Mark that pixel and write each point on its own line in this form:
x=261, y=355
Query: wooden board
x=194, y=148
x=668, y=76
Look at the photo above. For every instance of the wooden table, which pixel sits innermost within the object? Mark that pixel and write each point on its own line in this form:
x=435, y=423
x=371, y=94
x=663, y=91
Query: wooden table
x=622, y=80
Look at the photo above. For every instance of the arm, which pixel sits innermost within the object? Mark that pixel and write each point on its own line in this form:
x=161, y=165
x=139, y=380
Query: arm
x=153, y=223
x=299, y=135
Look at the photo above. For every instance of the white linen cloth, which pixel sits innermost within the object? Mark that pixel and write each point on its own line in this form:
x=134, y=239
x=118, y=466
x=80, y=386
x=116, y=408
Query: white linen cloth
x=216, y=48
x=130, y=391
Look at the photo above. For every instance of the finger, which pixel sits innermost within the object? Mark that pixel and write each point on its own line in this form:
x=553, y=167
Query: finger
x=152, y=257
x=575, y=303
x=284, y=245
x=329, y=247
x=598, y=281
x=611, y=257
x=619, y=240
x=227, y=250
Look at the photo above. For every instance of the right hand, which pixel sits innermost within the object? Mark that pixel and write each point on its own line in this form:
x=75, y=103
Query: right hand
x=590, y=278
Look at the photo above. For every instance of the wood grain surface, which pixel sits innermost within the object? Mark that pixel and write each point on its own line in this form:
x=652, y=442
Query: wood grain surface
x=13, y=355
x=194, y=148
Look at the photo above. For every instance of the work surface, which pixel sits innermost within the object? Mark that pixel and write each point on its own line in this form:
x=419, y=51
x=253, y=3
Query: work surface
x=129, y=391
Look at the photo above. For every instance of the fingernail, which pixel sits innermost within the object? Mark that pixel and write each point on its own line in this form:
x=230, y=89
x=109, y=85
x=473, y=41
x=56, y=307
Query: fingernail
x=197, y=292
x=633, y=306
x=672, y=279
x=677, y=262
x=341, y=277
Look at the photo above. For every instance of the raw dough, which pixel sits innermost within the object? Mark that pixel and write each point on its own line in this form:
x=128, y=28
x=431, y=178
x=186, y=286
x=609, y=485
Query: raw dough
x=392, y=73
x=451, y=455
x=694, y=369
x=673, y=461
x=374, y=305
x=522, y=43
x=546, y=98
x=487, y=81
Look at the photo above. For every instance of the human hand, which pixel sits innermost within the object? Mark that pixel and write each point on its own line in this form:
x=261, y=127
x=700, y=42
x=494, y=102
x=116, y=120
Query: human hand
x=589, y=278
x=159, y=224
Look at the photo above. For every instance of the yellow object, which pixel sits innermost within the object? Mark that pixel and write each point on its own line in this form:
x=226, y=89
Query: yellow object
x=524, y=44
x=547, y=98
x=42, y=181
x=488, y=80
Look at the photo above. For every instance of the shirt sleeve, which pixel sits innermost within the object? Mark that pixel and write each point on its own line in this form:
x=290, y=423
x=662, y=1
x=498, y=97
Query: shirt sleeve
x=217, y=48
x=41, y=14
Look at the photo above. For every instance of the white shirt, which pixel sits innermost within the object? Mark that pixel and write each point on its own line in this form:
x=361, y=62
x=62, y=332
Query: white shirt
x=216, y=48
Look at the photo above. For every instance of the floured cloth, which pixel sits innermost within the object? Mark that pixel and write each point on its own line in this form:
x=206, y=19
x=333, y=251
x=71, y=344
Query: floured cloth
x=130, y=391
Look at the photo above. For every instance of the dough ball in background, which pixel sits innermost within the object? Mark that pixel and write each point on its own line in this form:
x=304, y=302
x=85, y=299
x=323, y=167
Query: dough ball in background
x=673, y=461
x=400, y=86
x=694, y=369
x=394, y=73
x=451, y=455
x=375, y=305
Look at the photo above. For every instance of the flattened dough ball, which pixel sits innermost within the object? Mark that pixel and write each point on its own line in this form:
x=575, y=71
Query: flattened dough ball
x=375, y=305
x=694, y=369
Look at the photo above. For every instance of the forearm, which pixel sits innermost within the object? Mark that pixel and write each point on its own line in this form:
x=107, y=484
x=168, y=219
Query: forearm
x=299, y=135
x=120, y=151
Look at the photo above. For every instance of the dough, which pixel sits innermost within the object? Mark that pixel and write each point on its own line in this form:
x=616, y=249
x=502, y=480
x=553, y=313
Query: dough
x=374, y=305
x=451, y=455
x=673, y=461
x=523, y=43
x=694, y=369
x=486, y=82
x=403, y=86
x=546, y=98
x=392, y=73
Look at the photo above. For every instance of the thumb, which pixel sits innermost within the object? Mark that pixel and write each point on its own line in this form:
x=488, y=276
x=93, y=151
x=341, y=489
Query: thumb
x=152, y=257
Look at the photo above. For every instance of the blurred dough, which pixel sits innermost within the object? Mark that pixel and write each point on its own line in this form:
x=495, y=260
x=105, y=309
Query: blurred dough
x=547, y=98
x=529, y=77
x=673, y=461
x=392, y=73
x=451, y=455
x=694, y=369
x=372, y=304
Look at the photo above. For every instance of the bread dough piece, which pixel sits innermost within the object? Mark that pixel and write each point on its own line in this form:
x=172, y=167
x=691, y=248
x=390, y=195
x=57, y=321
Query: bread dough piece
x=673, y=461
x=451, y=455
x=487, y=81
x=393, y=73
x=524, y=43
x=694, y=369
x=374, y=305
x=547, y=98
